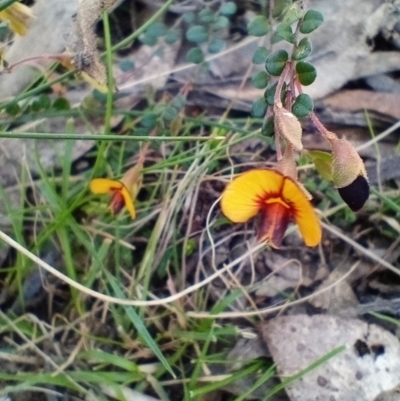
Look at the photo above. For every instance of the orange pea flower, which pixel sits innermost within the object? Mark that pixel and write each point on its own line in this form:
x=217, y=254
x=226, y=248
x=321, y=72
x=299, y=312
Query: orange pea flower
x=278, y=199
x=123, y=192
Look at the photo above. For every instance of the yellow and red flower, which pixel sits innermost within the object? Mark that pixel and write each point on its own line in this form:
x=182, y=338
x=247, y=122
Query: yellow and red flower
x=123, y=192
x=278, y=199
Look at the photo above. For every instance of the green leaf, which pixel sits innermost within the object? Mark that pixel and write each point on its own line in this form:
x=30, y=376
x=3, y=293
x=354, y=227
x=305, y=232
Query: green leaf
x=206, y=15
x=306, y=73
x=170, y=113
x=259, y=26
x=268, y=128
x=260, y=55
x=195, y=56
x=197, y=34
x=311, y=21
x=276, y=62
x=220, y=23
x=189, y=17
x=283, y=31
x=269, y=94
x=179, y=101
x=228, y=8
x=149, y=121
x=323, y=163
x=61, y=104
x=302, y=106
x=172, y=36
x=157, y=29
x=260, y=80
x=259, y=108
x=280, y=7
x=148, y=39
x=44, y=101
x=216, y=45
x=292, y=14
x=302, y=50
x=126, y=65
x=13, y=109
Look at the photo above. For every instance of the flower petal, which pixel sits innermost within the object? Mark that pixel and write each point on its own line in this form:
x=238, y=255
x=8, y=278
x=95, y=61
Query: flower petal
x=128, y=201
x=302, y=212
x=275, y=220
x=104, y=185
x=246, y=194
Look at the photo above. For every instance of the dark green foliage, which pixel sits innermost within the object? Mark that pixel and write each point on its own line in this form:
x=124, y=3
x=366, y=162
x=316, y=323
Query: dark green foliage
x=306, y=73
x=276, y=62
x=302, y=50
x=259, y=108
x=259, y=26
x=311, y=21
x=302, y=106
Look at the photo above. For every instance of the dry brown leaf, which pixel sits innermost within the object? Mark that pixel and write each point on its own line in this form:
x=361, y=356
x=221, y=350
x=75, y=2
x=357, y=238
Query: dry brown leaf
x=359, y=99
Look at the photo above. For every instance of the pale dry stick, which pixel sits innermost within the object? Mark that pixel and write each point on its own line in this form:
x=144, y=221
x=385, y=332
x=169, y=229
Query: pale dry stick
x=210, y=237
x=71, y=358
x=376, y=139
x=38, y=350
x=119, y=301
x=268, y=310
x=360, y=248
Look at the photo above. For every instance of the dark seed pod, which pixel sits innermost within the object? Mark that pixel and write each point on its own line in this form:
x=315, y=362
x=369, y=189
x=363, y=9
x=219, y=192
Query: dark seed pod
x=356, y=193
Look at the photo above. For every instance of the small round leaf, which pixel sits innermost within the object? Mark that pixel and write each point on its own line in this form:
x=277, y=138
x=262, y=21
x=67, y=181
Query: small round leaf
x=293, y=14
x=206, y=15
x=216, y=45
x=283, y=31
x=259, y=108
x=148, y=39
x=260, y=80
x=311, y=21
x=281, y=7
x=302, y=50
x=195, y=56
x=61, y=104
x=172, y=36
x=220, y=23
x=189, y=17
x=157, y=29
x=197, y=34
x=302, y=106
x=268, y=128
x=228, y=8
x=259, y=26
x=126, y=65
x=269, y=94
x=149, y=120
x=306, y=73
x=276, y=62
x=13, y=109
x=260, y=55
